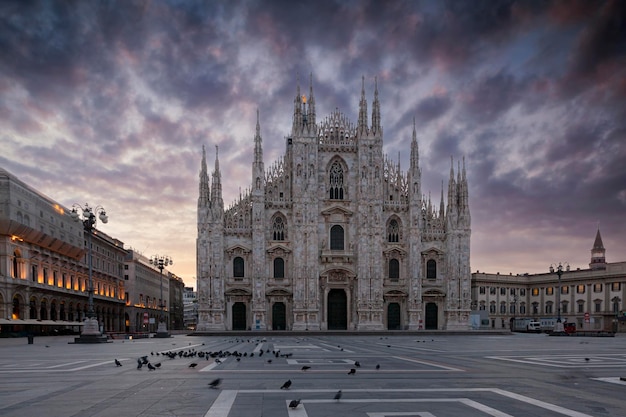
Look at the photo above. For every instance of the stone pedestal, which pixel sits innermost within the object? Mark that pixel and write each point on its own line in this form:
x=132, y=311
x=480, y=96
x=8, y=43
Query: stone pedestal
x=162, y=330
x=91, y=332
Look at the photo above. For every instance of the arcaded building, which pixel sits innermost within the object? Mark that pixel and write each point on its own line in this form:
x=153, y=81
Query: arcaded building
x=334, y=235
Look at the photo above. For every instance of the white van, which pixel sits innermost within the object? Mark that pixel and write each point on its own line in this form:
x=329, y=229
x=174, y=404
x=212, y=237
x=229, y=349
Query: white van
x=534, y=326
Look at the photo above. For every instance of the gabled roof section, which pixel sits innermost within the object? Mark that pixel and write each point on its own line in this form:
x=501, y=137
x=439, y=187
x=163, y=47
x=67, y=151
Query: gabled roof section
x=337, y=210
x=238, y=248
x=278, y=247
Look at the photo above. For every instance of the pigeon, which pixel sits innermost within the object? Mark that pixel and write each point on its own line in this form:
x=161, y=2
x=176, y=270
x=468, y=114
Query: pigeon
x=294, y=403
x=158, y=365
x=193, y=365
x=118, y=363
x=269, y=361
x=352, y=371
x=217, y=361
x=357, y=364
x=587, y=359
x=215, y=383
x=151, y=367
x=304, y=368
x=139, y=364
x=338, y=395
x=377, y=366
x=286, y=385
x=144, y=360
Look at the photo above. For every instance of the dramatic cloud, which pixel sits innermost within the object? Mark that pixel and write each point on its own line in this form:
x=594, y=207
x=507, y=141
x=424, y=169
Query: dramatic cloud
x=110, y=103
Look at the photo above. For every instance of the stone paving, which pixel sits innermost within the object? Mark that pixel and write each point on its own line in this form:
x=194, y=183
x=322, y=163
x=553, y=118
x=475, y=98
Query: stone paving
x=409, y=376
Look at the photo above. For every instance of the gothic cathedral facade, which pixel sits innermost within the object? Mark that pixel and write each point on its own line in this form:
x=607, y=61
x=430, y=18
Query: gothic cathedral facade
x=333, y=236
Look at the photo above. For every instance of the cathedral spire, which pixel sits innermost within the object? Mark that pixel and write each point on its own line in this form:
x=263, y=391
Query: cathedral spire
x=362, y=123
x=441, y=204
x=258, y=147
x=204, y=192
x=297, y=110
x=598, y=253
x=311, y=103
x=216, y=188
x=376, y=109
x=258, y=168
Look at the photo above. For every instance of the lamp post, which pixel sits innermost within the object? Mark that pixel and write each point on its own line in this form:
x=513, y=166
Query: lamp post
x=558, y=328
x=161, y=262
x=91, y=330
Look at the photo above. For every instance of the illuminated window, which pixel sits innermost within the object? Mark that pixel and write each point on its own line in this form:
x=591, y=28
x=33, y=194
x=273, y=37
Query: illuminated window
x=535, y=291
x=597, y=287
x=564, y=290
x=549, y=290
x=580, y=289
x=615, y=286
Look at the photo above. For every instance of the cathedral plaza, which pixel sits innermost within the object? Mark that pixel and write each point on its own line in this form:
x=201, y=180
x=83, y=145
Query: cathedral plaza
x=432, y=374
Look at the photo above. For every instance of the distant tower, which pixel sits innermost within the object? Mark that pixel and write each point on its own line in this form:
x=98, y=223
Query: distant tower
x=598, y=253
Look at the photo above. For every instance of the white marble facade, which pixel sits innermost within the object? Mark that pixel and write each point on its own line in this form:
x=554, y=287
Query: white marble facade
x=333, y=236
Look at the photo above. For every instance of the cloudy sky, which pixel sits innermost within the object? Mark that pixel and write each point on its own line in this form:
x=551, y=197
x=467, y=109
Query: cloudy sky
x=111, y=102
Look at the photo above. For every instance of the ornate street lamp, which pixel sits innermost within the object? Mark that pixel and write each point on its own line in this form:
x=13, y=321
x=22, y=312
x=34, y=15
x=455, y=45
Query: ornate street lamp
x=91, y=330
x=161, y=262
x=558, y=328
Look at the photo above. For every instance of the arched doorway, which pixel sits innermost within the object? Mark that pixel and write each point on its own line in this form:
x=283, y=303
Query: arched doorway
x=431, y=316
x=279, y=316
x=239, y=316
x=393, y=316
x=337, y=310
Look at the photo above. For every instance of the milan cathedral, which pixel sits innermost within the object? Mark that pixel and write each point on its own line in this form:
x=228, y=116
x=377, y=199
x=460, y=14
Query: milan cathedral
x=333, y=236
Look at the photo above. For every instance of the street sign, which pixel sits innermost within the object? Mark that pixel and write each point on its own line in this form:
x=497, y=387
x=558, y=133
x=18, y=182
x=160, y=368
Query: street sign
x=587, y=318
x=145, y=318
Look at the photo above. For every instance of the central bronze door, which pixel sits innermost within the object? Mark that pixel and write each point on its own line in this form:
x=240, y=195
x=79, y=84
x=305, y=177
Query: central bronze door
x=393, y=316
x=431, y=316
x=239, y=316
x=279, y=317
x=337, y=310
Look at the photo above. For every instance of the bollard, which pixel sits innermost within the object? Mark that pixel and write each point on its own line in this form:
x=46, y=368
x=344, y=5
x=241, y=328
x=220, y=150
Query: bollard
x=31, y=339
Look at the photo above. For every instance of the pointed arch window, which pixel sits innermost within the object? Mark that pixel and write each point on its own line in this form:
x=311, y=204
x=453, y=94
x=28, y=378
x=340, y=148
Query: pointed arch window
x=393, y=231
x=336, y=181
x=394, y=270
x=431, y=269
x=336, y=237
x=278, y=228
x=238, y=267
x=279, y=268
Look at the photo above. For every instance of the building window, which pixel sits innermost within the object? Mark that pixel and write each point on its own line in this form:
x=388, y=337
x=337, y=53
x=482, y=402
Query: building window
x=492, y=307
x=394, y=269
x=125, y=266
x=336, y=237
x=279, y=268
x=535, y=308
x=598, y=306
x=581, y=306
x=597, y=287
x=431, y=269
x=502, y=308
x=125, y=277
x=615, y=305
x=278, y=229
x=482, y=306
x=564, y=307
x=34, y=273
x=512, y=308
x=565, y=290
x=492, y=290
x=512, y=291
x=336, y=181
x=481, y=290
x=535, y=292
x=522, y=308
x=393, y=231
x=549, y=307
x=502, y=291
x=522, y=292
x=549, y=290
x=580, y=289
x=615, y=286
x=238, y=267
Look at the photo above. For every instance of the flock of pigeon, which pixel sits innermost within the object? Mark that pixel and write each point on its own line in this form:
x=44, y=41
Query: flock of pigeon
x=218, y=356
